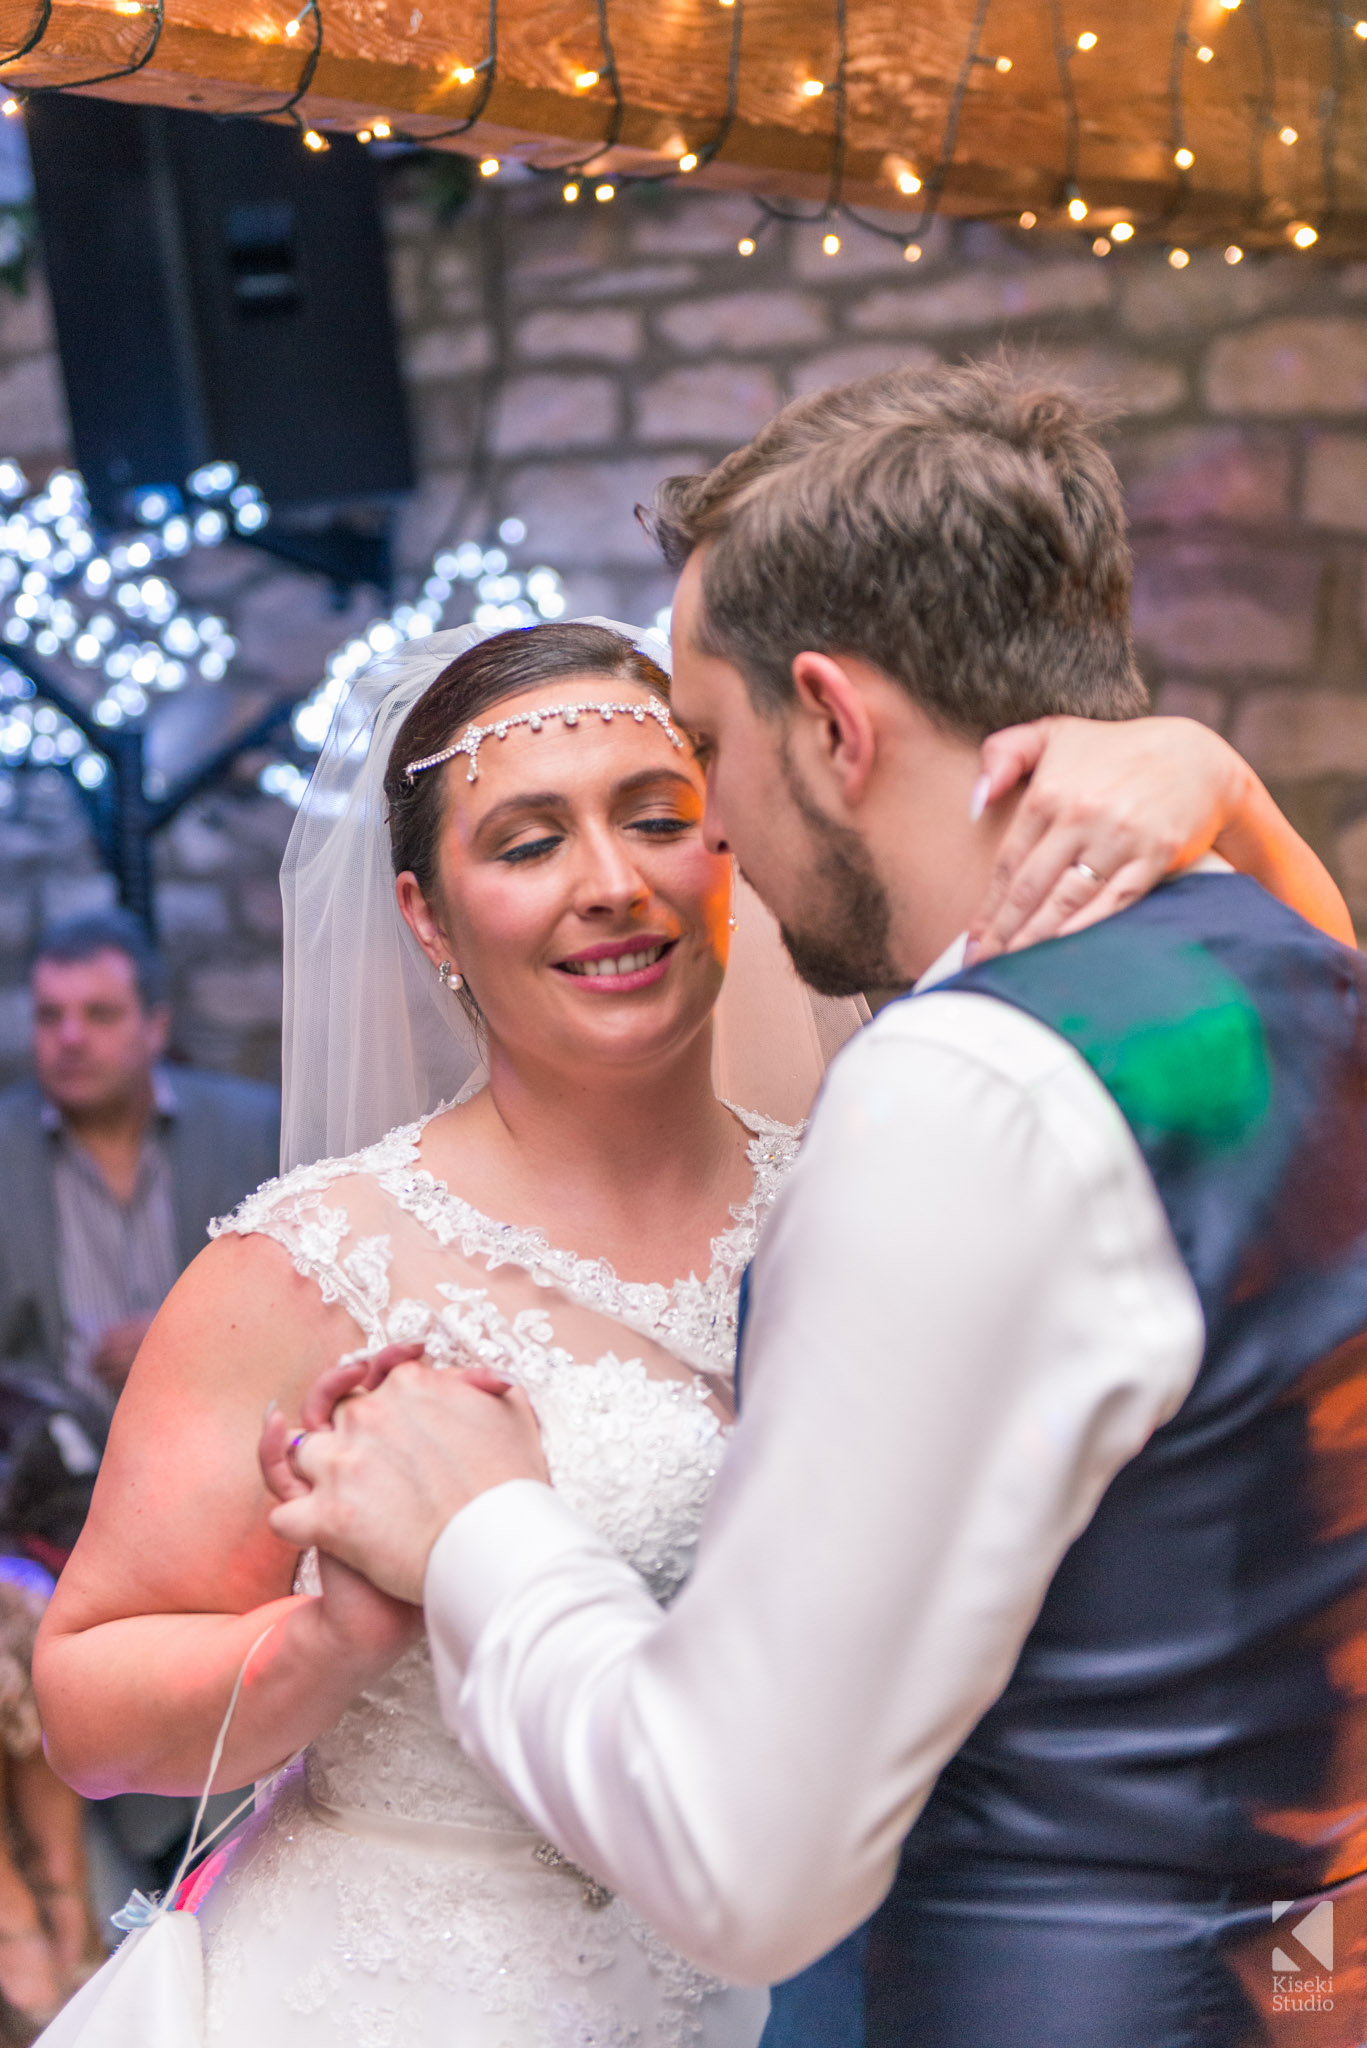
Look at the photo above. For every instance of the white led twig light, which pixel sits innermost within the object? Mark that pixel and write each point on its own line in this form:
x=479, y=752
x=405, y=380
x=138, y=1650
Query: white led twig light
x=106, y=609
x=110, y=609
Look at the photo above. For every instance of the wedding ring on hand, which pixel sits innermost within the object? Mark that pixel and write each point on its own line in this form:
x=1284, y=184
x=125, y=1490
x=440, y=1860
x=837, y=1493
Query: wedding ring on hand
x=1090, y=873
x=300, y=1436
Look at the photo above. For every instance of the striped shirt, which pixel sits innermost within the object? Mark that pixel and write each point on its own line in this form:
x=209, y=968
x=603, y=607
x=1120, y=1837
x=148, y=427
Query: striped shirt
x=117, y=1259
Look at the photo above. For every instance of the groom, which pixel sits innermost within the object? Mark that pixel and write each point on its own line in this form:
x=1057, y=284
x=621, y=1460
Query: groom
x=1028, y=1630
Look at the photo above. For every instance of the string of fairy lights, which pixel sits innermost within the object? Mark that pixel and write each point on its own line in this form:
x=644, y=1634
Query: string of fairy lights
x=589, y=171
x=110, y=609
x=589, y=168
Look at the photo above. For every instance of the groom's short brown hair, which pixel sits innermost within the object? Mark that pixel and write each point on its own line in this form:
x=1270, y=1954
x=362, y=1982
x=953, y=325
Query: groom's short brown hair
x=960, y=529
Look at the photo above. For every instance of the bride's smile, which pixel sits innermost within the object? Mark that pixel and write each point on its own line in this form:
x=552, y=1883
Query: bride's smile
x=621, y=964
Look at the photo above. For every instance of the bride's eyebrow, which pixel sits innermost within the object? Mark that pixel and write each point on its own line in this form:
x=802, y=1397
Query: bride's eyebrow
x=648, y=778
x=531, y=800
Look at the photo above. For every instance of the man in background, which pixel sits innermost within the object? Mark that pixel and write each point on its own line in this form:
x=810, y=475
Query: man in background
x=111, y=1163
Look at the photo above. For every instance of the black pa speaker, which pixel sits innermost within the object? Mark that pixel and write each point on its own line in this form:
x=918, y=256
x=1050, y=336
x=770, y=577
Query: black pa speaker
x=220, y=292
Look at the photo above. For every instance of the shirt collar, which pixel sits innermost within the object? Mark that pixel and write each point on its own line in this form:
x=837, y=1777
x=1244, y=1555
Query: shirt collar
x=949, y=962
x=952, y=959
x=165, y=1101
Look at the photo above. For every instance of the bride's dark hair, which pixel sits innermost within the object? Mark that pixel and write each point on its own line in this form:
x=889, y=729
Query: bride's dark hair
x=472, y=684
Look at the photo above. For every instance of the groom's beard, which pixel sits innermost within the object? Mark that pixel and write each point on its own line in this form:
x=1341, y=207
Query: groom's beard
x=844, y=947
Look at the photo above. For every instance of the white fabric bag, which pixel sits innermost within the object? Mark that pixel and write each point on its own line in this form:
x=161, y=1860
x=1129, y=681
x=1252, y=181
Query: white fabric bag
x=150, y=1993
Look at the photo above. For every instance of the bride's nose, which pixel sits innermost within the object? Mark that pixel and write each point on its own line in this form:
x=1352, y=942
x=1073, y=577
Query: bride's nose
x=608, y=878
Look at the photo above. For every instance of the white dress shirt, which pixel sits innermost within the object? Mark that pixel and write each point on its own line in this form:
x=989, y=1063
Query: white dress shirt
x=967, y=1313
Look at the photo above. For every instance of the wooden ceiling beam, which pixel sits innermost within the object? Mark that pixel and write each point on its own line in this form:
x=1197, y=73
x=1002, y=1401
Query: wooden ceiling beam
x=1281, y=66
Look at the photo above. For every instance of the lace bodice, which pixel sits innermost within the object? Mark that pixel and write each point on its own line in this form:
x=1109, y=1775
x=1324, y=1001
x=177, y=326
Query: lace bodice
x=614, y=1369
x=355, y=1909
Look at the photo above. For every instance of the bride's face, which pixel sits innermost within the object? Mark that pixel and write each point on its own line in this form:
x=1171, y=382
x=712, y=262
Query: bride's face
x=576, y=895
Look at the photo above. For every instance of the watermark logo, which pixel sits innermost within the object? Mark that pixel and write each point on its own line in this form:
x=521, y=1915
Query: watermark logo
x=1302, y=1970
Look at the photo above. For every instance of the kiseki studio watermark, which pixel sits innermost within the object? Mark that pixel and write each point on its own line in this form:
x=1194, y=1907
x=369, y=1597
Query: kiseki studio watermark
x=1303, y=1959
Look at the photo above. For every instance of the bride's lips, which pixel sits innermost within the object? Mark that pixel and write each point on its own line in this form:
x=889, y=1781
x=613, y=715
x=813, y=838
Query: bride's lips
x=619, y=965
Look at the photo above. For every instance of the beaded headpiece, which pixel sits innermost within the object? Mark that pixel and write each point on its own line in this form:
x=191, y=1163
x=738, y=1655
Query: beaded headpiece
x=474, y=736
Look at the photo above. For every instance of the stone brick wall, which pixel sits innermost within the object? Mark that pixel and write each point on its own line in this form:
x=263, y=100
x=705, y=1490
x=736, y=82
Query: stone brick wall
x=578, y=354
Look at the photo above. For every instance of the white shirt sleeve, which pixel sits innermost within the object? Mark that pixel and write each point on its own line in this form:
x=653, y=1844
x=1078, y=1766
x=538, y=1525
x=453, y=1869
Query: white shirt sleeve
x=967, y=1313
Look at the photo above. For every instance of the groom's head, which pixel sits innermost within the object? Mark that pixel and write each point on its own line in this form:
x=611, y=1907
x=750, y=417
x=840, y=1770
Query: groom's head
x=888, y=572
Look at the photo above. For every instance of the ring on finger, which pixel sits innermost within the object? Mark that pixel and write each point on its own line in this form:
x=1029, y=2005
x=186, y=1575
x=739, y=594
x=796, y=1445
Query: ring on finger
x=300, y=1436
x=1090, y=874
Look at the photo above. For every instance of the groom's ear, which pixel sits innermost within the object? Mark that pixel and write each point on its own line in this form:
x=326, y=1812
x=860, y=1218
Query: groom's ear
x=835, y=735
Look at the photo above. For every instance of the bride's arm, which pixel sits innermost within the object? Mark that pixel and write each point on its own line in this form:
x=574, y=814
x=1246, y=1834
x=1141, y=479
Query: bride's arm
x=1131, y=801
x=176, y=1573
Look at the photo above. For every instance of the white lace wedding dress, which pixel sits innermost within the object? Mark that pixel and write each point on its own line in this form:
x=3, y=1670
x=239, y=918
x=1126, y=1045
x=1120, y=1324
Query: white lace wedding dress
x=387, y=1895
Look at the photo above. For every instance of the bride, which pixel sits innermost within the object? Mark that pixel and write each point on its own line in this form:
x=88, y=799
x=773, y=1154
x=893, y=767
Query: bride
x=556, y=908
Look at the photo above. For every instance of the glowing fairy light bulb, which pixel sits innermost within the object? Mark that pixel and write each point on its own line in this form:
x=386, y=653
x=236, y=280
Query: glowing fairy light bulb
x=1183, y=158
x=1123, y=231
x=831, y=244
x=1077, y=208
x=489, y=167
x=746, y=245
x=571, y=193
x=688, y=161
x=908, y=182
x=1178, y=258
x=812, y=88
x=584, y=80
x=1086, y=41
x=1303, y=235
x=316, y=142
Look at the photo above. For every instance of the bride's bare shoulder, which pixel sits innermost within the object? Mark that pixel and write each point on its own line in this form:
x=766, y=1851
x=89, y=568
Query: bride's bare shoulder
x=240, y=1320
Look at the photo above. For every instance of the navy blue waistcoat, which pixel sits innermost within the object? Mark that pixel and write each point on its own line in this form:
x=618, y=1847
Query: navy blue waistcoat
x=1185, y=1731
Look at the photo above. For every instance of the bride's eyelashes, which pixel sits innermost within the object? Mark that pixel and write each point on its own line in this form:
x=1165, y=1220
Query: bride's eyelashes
x=662, y=826
x=530, y=849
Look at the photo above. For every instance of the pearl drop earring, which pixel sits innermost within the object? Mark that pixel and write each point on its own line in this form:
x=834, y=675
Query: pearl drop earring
x=448, y=977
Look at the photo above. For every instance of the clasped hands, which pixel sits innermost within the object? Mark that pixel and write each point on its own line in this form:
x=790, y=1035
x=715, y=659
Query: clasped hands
x=387, y=1451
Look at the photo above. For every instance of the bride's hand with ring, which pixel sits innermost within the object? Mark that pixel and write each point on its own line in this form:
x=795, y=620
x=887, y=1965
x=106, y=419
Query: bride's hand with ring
x=1111, y=809
x=352, y=1613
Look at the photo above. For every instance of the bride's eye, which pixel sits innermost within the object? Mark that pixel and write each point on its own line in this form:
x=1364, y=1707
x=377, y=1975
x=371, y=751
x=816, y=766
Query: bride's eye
x=667, y=826
x=529, y=849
